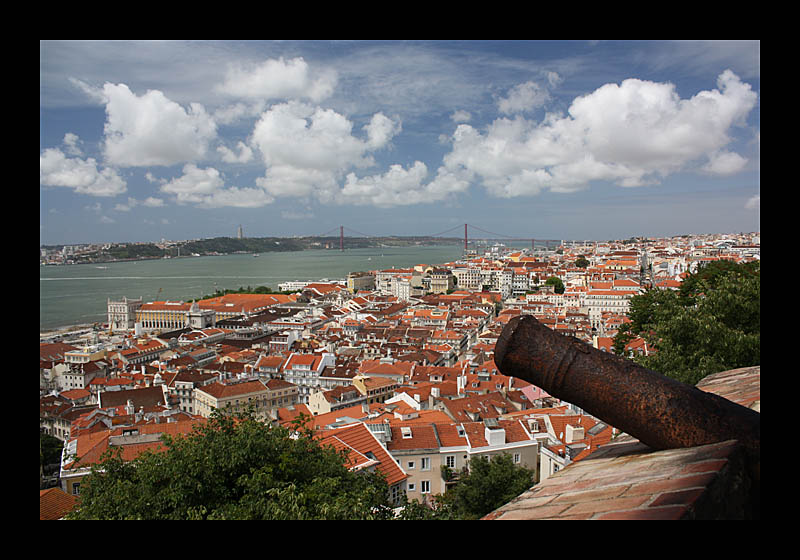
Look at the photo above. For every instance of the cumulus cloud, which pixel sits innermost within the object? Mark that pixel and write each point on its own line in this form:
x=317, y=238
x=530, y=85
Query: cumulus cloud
x=72, y=144
x=524, y=97
x=247, y=197
x=723, y=162
x=153, y=202
x=400, y=187
x=308, y=149
x=206, y=188
x=461, y=116
x=229, y=156
x=83, y=176
x=278, y=79
x=150, y=202
x=633, y=134
x=153, y=130
x=380, y=130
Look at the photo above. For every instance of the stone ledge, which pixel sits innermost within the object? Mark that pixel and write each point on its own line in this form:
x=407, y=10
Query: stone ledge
x=625, y=479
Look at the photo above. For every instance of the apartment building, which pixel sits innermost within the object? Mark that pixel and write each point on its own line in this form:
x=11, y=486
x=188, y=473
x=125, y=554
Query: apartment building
x=304, y=370
x=423, y=449
x=235, y=396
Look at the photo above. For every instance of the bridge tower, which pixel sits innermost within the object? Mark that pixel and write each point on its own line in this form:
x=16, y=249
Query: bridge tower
x=465, y=238
x=341, y=238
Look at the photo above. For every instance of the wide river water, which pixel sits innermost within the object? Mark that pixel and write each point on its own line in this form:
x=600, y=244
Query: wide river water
x=78, y=294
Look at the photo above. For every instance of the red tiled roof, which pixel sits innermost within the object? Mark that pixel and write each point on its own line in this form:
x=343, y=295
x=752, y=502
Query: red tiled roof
x=222, y=391
x=54, y=504
x=364, y=450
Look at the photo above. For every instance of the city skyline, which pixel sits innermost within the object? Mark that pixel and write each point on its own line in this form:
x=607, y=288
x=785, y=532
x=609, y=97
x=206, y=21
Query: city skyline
x=141, y=141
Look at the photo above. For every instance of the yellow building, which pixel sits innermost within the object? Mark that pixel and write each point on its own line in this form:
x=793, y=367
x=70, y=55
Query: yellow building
x=238, y=396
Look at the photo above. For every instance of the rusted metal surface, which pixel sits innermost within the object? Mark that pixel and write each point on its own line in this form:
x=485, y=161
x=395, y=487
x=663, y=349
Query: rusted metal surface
x=661, y=412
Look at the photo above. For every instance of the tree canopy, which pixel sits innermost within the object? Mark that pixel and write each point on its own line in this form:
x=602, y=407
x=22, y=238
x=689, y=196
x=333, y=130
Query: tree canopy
x=712, y=324
x=557, y=283
x=233, y=467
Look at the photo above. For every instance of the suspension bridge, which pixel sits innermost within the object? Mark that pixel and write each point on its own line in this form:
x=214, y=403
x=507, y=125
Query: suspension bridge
x=446, y=234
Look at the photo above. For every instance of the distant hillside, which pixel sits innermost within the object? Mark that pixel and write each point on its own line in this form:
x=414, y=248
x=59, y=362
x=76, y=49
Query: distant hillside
x=230, y=245
x=227, y=245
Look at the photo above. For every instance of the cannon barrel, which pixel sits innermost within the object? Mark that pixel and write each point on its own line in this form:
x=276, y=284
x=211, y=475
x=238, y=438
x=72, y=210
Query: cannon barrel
x=659, y=411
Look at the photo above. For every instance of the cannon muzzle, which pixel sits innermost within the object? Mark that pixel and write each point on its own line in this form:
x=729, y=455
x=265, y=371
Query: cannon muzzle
x=659, y=411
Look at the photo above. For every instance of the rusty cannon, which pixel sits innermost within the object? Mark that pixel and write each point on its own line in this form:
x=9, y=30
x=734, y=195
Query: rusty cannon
x=659, y=411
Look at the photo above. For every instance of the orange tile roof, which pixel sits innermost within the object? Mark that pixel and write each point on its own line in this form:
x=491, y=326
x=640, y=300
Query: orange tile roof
x=361, y=444
x=54, y=504
x=91, y=446
x=224, y=391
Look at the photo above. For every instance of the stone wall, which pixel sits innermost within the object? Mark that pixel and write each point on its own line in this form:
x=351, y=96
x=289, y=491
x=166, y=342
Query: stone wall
x=627, y=480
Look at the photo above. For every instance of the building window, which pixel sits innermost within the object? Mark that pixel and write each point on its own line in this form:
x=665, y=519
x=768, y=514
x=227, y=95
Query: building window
x=425, y=464
x=425, y=486
x=450, y=461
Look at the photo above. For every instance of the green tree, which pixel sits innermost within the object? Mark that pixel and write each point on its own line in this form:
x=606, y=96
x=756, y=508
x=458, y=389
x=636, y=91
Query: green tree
x=233, y=467
x=581, y=262
x=557, y=284
x=489, y=484
x=712, y=324
x=49, y=449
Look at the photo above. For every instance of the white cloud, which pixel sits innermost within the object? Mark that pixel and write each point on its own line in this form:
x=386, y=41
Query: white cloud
x=523, y=97
x=461, y=116
x=399, y=187
x=71, y=142
x=723, y=162
x=380, y=130
x=754, y=203
x=308, y=149
x=229, y=156
x=153, y=130
x=278, y=79
x=126, y=206
x=153, y=202
x=237, y=197
x=150, y=202
x=633, y=133
x=83, y=176
x=206, y=188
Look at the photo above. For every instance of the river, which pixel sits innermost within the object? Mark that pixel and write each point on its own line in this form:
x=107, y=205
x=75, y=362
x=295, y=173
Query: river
x=78, y=294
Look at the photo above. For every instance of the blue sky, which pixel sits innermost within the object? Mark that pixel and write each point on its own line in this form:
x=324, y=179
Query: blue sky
x=142, y=141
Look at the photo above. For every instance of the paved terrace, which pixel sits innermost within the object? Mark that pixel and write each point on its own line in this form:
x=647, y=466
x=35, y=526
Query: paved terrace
x=628, y=480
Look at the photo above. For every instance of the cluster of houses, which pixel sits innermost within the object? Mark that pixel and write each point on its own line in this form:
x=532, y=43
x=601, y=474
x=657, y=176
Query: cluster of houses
x=395, y=366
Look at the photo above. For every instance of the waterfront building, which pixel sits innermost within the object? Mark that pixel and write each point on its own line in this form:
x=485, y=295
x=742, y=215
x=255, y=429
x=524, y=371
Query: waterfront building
x=163, y=315
x=122, y=313
x=173, y=315
x=360, y=281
